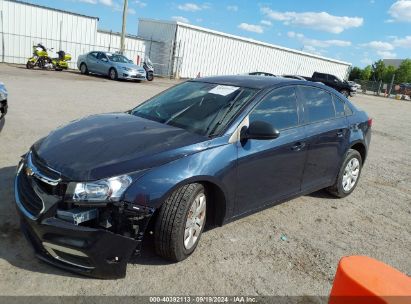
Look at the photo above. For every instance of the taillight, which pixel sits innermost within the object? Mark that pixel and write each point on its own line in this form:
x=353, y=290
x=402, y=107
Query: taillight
x=370, y=122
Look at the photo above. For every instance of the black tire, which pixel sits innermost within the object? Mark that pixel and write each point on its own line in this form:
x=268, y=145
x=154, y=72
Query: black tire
x=29, y=65
x=83, y=69
x=338, y=189
x=171, y=223
x=150, y=76
x=112, y=74
x=345, y=93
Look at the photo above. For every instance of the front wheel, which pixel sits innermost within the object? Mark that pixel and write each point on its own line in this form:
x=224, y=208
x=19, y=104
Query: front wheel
x=150, y=76
x=180, y=222
x=112, y=74
x=345, y=93
x=348, y=175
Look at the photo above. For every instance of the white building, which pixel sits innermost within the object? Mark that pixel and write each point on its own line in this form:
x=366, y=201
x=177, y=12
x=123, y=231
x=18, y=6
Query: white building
x=23, y=25
x=176, y=49
x=195, y=50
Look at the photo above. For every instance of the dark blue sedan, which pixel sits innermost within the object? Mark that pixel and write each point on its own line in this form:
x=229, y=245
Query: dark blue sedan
x=205, y=152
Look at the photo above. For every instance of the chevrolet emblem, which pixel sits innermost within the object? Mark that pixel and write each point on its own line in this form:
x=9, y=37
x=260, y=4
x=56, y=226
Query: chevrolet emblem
x=29, y=172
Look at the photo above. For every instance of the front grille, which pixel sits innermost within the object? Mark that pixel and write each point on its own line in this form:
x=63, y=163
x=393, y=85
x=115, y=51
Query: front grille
x=43, y=168
x=28, y=197
x=37, y=183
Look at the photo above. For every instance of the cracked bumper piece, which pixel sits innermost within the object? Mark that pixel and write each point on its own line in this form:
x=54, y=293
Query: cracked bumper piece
x=93, y=241
x=93, y=252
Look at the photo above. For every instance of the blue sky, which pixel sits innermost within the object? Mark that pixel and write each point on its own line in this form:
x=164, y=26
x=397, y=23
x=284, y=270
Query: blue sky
x=357, y=31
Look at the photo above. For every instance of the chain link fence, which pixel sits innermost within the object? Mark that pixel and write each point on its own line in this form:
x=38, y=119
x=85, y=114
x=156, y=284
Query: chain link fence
x=380, y=88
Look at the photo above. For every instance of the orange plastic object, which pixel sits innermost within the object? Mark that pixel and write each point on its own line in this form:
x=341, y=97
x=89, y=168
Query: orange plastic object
x=361, y=279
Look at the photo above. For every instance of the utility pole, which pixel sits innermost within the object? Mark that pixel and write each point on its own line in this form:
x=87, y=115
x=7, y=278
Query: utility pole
x=391, y=85
x=123, y=29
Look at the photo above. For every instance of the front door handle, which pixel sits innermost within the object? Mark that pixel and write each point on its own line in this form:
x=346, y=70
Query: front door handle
x=298, y=146
x=340, y=133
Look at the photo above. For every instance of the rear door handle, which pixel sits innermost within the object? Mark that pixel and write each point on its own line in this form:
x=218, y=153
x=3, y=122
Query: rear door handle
x=298, y=146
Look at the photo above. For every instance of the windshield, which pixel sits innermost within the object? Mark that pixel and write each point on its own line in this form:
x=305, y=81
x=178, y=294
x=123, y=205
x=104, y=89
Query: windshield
x=118, y=58
x=198, y=107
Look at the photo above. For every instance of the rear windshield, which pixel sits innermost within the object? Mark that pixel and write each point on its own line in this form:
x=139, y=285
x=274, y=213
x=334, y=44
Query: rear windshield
x=198, y=107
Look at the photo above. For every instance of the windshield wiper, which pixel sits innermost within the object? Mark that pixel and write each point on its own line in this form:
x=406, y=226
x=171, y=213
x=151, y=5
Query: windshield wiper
x=229, y=107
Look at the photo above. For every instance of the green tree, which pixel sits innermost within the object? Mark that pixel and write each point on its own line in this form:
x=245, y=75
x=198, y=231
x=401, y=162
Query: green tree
x=355, y=73
x=366, y=73
x=388, y=73
x=404, y=72
x=378, y=70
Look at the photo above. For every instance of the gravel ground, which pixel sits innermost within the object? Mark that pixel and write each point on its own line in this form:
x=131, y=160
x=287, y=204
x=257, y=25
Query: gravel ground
x=245, y=257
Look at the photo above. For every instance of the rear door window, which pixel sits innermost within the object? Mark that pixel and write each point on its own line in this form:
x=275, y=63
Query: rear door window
x=339, y=107
x=101, y=56
x=279, y=108
x=318, y=104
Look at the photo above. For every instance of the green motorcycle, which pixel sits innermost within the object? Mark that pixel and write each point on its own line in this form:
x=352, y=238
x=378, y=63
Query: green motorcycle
x=42, y=59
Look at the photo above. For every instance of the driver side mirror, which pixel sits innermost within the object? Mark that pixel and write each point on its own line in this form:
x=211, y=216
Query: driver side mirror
x=259, y=130
x=104, y=59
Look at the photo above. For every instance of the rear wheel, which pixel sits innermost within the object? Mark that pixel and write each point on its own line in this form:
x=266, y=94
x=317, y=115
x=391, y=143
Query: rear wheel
x=180, y=222
x=348, y=175
x=150, y=76
x=112, y=74
x=83, y=69
x=29, y=65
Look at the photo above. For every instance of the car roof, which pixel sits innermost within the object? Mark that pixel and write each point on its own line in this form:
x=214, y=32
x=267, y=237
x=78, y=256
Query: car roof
x=248, y=81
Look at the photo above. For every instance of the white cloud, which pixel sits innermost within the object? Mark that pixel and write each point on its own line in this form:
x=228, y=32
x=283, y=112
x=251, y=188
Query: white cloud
x=180, y=19
x=386, y=54
x=266, y=22
x=402, y=42
x=379, y=45
x=308, y=42
x=401, y=11
x=140, y=4
x=319, y=21
x=192, y=7
x=233, y=8
x=104, y=2
x=366, y=61
x=131, y=11
x=251, y=28
x=89, y=1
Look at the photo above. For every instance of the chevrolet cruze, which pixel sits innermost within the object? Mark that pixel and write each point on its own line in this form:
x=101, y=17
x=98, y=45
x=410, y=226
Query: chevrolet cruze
x=207, y=151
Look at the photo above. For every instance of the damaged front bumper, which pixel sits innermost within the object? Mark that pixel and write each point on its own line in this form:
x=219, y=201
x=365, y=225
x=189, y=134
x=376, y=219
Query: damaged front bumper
x=83, y=247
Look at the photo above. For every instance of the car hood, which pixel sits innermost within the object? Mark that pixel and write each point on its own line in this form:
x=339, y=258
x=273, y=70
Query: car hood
x=105, y=145
x=130, y=66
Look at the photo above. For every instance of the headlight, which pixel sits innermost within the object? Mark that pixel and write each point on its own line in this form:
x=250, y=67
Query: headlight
x=3, y=92
x=126, y=69
x=110, y=189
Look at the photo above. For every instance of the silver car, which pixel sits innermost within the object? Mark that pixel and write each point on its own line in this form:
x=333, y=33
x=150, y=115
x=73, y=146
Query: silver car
x=115, y=66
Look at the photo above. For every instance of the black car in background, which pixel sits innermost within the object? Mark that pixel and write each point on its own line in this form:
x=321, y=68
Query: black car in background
x=3, y=103
x=334, y=82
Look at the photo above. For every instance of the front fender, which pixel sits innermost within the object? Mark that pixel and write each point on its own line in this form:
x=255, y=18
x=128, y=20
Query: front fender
x=216, y=165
